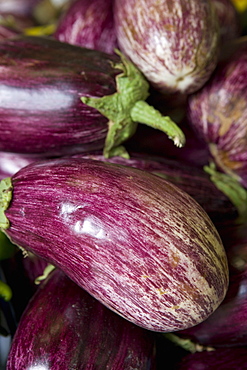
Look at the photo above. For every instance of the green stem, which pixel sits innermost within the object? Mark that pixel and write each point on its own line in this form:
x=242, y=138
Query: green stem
x=186, y=344
x=5, y=291
x=5, y=198
x=230, y=186
x=48, y=269
x=127, y=107
x=142, y=112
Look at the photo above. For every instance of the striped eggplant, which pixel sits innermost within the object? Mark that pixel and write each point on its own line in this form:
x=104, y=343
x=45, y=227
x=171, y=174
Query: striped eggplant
x=174, y=43
x=88, y=24
x=218, y=113
x=134, y=241
x=63, y=328
x=57, y=98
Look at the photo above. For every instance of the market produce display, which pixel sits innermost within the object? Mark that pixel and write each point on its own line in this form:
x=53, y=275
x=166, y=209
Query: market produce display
x=123, y=185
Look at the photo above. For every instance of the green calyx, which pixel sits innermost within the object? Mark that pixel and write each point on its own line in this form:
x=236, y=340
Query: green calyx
x=127, y=107
x=231, y=187
x=5, y=198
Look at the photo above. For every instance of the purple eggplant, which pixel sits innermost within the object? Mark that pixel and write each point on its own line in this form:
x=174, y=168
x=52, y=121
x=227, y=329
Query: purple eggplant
x=218, y=114
x=63, y=328
x=219, y=359
x=58, y=98
x=134, y=241
x=88, y=24
x=174, y=43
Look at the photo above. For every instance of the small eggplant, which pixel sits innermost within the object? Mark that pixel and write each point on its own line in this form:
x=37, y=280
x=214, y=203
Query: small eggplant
x=63, y=328
x=134, y=241
x=218, y=114
x=174, y=43
x=88, y=24
x=58, y=98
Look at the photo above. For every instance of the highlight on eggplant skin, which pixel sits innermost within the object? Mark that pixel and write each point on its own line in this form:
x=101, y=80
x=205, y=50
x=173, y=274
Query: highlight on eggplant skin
x=63, y=327
x=88, y=24
x=174, y=43
x=134, y=241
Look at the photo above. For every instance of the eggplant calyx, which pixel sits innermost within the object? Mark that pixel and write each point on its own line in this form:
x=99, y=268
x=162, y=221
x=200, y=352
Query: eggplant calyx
x=127, y=107
x=5, y=291
x=231, y=187
x=5, y=199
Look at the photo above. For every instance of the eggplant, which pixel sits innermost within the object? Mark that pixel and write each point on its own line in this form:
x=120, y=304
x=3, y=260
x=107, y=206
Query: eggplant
x=64, y=328
x=57, y=98
x=134, y=241
x=219, y=359
x=218, y=114
x=174, y=43
x=88, y=24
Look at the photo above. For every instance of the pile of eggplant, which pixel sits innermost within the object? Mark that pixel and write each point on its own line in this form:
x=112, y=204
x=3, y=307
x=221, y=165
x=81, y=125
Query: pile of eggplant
x=123, y=185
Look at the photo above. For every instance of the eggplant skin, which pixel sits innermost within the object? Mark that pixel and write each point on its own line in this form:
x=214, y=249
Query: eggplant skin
x=218, y=113
x=173, y=42
x=224, y=358
x=88, y=24
x=134, y=241
x=64, y=328
x=41, y=83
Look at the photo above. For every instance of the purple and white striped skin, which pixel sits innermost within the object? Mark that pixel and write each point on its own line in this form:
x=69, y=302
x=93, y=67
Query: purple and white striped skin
x=173, y=42
x=218, y=114
x=89, y=24
x=134, y=241
x=220, y=359
x=227, y=326
x=63, y=328
x=41, y=82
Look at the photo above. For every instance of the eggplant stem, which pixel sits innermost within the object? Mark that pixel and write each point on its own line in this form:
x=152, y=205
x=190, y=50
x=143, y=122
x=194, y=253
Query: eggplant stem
x=187, y=344
x=5, y=198
x=127, y=107
x=144, y=113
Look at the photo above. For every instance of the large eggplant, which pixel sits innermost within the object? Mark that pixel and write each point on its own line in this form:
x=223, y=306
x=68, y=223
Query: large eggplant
x=218, y=114
x=64, y=328
x=136, y=242
x=174, y=43
x=88, y=24
x=57, y=98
